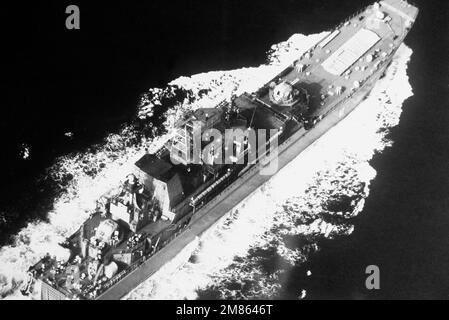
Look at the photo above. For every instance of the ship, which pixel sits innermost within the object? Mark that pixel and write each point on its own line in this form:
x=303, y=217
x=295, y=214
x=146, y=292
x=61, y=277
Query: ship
x=216, y=157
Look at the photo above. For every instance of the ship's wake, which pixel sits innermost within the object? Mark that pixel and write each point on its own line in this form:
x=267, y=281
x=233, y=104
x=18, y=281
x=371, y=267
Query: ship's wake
x=249, y=251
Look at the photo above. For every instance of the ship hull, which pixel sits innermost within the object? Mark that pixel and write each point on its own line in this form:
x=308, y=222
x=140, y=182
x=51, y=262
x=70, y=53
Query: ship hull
x=235, y=193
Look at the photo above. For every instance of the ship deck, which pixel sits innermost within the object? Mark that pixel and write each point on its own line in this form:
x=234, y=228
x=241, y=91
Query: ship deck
x=320, y=83
x=56, y=274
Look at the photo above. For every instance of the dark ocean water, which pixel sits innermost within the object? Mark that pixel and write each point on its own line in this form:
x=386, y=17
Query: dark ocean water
x=404, y=227
x=88, y=82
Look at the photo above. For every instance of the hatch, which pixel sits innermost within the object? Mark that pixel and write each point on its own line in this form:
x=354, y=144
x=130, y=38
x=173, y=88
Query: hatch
x=350, y=52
